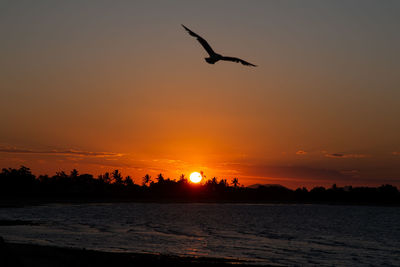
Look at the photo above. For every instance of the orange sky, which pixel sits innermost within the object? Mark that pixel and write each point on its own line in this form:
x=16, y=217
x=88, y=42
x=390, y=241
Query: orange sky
x=101, y=86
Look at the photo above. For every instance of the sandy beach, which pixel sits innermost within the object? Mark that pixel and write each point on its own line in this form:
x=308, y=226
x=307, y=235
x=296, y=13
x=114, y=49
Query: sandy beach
x=21, y=255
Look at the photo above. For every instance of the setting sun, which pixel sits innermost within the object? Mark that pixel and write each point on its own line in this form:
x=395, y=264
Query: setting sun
x=195, y=177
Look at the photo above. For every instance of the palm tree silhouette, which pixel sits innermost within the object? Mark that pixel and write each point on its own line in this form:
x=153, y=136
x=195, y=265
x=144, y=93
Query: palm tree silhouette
x=146, y=179
x=160, y=178
x=235, y=182
x=117, y=177
x=128, y=181
x=182, y=178
x=105, y=178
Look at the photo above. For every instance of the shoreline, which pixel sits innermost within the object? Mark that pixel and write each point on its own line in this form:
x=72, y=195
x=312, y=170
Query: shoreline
x=19, y=255
x=22, y=202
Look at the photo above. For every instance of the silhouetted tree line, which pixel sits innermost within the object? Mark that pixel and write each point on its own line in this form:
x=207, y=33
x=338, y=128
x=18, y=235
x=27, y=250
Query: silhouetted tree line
x=22, y=184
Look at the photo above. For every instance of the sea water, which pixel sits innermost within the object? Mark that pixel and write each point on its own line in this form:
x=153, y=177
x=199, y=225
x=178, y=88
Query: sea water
x=258, y=233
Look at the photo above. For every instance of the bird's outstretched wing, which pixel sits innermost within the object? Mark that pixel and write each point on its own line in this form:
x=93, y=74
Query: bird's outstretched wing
x=203, y=42
x=238, y=60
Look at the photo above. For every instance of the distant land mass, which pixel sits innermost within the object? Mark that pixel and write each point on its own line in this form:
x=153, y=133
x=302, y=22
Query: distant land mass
x=256, y=186
x=20, y=186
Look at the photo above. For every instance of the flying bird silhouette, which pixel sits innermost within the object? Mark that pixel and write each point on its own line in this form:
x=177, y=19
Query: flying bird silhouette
x=214, y=57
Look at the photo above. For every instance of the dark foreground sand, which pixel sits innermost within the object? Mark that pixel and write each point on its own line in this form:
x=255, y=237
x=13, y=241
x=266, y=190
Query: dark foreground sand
x=45, y=256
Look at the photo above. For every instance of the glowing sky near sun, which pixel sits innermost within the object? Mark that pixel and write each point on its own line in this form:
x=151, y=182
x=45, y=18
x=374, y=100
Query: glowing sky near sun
x=100, y=85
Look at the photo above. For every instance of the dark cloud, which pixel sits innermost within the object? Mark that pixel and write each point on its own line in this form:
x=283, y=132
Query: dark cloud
x=334, y=155
x=342, y=155
x=352, y=173
x=60, y=152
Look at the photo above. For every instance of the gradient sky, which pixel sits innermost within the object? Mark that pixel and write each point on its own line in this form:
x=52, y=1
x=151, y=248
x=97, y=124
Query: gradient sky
x=103, y=85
